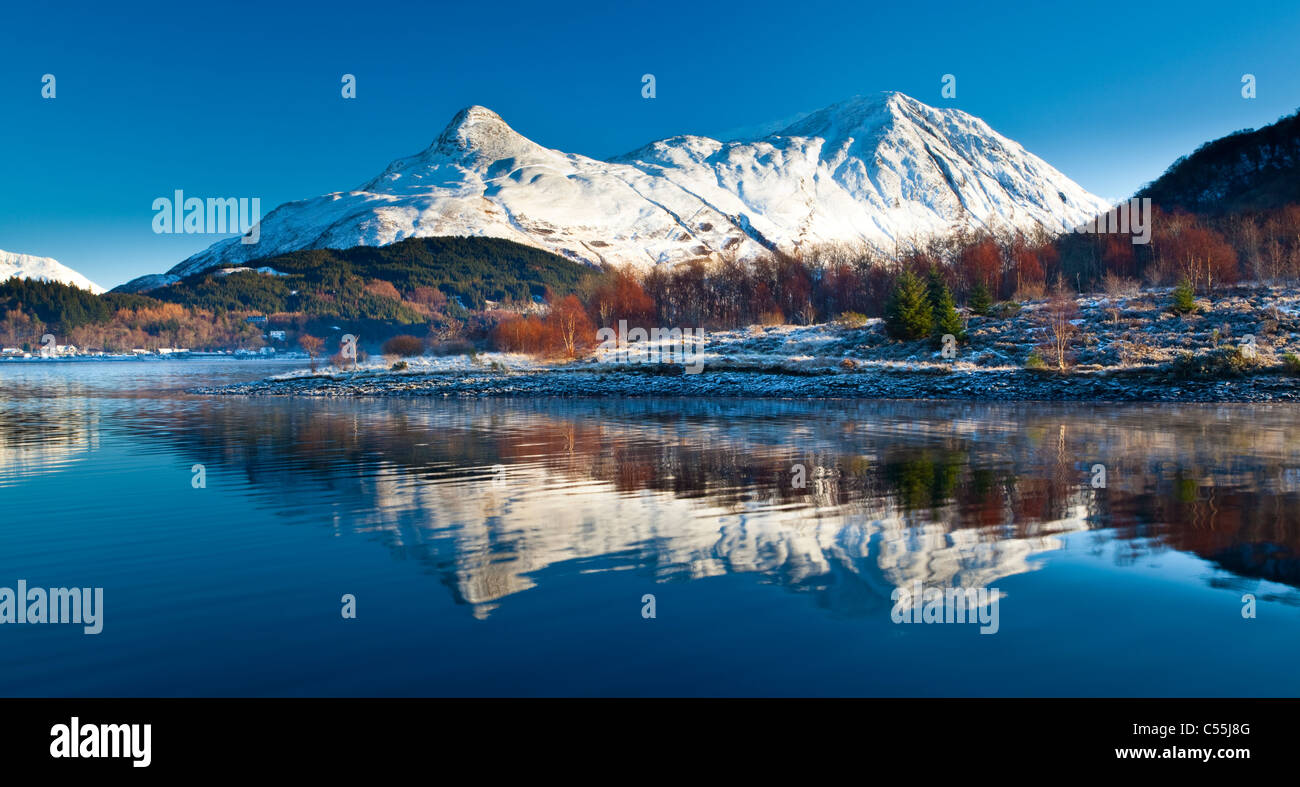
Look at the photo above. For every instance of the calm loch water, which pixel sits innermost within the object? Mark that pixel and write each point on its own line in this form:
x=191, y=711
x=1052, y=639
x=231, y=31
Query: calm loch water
x=505, y=547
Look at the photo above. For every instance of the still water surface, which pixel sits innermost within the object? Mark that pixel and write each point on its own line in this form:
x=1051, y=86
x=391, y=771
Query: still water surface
x=505, y=546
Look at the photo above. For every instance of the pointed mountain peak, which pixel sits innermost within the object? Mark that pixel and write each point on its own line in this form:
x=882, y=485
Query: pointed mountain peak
x=895, y=98
x=479, y=130
x=475, y=138
x=887, y=113
x=471, y=118
x=855, y=114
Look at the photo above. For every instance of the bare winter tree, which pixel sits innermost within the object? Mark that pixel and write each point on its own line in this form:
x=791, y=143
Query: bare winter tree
x=1058, y=316
x=312, y=346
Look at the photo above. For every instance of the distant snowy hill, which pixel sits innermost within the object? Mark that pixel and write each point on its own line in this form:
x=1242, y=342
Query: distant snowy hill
x=876, y=170
x=25, y=266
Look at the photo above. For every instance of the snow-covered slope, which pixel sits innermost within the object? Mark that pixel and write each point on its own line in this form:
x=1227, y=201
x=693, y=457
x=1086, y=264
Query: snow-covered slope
x=876, y=170
x=25, y=266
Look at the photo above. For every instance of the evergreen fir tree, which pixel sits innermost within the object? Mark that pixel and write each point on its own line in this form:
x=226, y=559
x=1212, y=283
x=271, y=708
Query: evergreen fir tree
x=934, y=285
x=944, y=308
x=908, y=314
x=980, y=300
x=1184, y=298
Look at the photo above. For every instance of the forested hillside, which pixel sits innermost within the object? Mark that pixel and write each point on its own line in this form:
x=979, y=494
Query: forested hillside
x=405, y=282
x=1250, y=170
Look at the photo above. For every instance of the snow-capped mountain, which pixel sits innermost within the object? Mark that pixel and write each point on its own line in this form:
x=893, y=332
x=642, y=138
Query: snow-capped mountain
x=876, y=169
x=25, y=266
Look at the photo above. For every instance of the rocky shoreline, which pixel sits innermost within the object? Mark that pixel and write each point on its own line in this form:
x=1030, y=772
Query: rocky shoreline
x=963, y=385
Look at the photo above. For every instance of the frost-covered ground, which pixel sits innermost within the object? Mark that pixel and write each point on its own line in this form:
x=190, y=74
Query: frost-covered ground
x=424, y=366
x=1126, y=349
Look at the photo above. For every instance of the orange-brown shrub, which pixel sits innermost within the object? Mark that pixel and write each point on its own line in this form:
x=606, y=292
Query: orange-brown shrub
x=404, y=346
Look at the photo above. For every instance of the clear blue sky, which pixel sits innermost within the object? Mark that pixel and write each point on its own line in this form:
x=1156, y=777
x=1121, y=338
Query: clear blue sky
x=233, y=99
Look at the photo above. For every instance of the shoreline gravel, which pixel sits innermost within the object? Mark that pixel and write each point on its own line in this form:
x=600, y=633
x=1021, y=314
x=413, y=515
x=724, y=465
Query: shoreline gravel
x=964, y=385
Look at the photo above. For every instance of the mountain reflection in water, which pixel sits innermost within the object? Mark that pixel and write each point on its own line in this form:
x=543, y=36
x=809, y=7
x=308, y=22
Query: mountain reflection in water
x=493, y=498
x=949, y=494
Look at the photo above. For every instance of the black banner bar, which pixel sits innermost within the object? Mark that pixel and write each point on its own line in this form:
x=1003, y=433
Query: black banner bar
x=328, y=736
